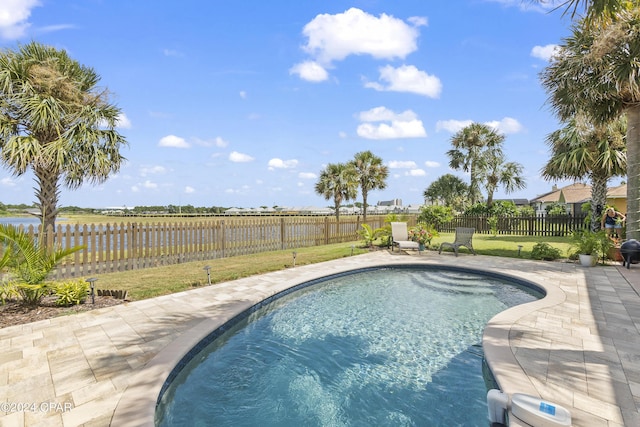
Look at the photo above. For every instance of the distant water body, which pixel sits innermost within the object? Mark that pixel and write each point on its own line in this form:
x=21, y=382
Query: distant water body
x=21, y=220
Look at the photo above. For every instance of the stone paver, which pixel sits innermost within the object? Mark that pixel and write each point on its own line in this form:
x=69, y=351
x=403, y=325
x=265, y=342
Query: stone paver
x=577, y=347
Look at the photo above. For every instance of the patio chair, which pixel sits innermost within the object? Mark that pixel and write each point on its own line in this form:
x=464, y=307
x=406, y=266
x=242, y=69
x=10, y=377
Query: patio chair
x=400, y=236
x=464, y=235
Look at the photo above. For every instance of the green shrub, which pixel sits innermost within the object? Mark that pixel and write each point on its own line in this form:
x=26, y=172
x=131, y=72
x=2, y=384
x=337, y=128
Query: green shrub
x=435, y=215
x=8, y=291
x=492, y=221
x=32, y=294
x=545, y=251
x=369, y=235
x=70, y=293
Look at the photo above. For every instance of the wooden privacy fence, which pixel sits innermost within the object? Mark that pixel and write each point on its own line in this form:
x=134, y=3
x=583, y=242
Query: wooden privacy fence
x=526, y=225
x=128, y=246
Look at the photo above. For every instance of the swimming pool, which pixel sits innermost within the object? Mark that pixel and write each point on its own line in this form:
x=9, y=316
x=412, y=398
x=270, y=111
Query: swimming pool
x=391, y=346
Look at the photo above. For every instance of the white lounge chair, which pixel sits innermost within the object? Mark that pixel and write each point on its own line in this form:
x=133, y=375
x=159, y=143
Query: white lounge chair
x=400, y=235
x=464, y=236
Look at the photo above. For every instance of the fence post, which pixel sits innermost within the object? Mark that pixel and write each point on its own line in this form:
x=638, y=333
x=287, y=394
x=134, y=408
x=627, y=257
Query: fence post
x=282, y=234
x=326, y=230
x=222, y=238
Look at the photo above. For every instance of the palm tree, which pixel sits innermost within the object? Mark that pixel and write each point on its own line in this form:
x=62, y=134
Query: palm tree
x=496, y=172
x=595, y=9
x=469, y=146
x=338, y=181
x=596, y=73
x=448, y=189
x=580, y=150
x=55, y=121
x=372, y=175
x=29, y=261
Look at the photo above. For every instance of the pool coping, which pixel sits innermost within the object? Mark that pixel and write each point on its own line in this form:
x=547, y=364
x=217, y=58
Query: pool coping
x=137, y=407
x=580, y=352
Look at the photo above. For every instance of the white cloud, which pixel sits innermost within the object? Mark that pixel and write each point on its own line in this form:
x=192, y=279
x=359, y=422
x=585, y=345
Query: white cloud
x=403, y=125
x=242, y=190
x=148, y=185
x=418, y=21
x=7, y=182
x=397, y=129
x=282, y=164
x=412, y=129
x=545, y=52
x=400, y=164
x=219, y=142
x=189, y=190
x=507, y=125
x=173, y=141
x=310, y=71
x=243, y=94
x=240, y=157
x=307, y=175
x=452, y=126
x=123, y=122
x=332, y=38
x=542, y=6
x=383, y=114
x=171, y=52
x=407, y=78
x=14, y=16
x=431, y=164
x=152, y=170
x=216, y=142
x=416, y=172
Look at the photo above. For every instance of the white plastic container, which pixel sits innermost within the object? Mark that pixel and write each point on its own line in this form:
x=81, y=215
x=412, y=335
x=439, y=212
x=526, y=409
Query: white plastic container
x=497, y=403
x=539, y=413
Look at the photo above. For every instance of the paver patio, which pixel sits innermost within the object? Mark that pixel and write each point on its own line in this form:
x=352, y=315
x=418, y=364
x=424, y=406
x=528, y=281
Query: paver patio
x=579, y=347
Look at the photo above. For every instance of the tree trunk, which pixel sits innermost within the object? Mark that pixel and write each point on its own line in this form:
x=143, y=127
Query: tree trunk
x=364, y=206
x=598, y=198
x=633, y=172
x=47, y=193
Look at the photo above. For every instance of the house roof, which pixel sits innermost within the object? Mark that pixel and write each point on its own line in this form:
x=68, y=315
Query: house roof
x=575, y=193
x=517, y=202
x=579, y=193
x=619, y=192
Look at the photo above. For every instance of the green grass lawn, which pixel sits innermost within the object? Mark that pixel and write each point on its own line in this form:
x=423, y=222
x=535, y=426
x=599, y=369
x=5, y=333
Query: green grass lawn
x=151, y=282
x=506, y=245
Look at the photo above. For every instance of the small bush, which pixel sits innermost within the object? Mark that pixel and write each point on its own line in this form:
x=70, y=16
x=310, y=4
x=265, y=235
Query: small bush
x=545, y=251
x=70, y=293
x=32, y=294
x=8, y=291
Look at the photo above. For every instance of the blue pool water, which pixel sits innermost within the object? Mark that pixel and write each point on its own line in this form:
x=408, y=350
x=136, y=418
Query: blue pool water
x=385, y=347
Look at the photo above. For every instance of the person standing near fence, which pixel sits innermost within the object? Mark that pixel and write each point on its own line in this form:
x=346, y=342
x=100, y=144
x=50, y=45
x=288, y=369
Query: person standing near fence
x=612, y=221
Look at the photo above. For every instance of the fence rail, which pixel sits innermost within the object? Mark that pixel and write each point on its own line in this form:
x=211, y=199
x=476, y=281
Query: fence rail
x=129, y=246
x=525, y=225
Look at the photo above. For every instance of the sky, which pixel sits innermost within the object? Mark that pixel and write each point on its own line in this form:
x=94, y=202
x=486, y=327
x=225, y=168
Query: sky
x=243, y=103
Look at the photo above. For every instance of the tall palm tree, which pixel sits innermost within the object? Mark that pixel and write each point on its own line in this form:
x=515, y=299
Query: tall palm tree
x=469, y=147
x=338, y=181
x=597, y=73
x=496, y=172
x=580, y=150
x=371, y=175
x=55, y=121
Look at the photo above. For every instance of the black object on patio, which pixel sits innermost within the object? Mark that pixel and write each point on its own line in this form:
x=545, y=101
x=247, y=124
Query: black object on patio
x=630, y=251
